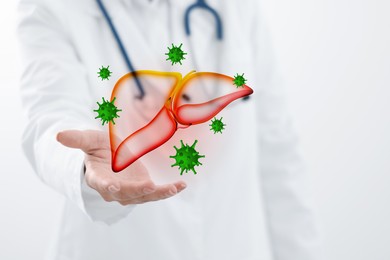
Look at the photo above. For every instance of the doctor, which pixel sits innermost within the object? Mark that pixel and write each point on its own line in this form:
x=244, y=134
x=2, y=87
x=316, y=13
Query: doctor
x=247, y=202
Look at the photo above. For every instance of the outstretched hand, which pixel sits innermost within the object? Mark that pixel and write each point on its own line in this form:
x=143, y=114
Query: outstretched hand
x=131, y=186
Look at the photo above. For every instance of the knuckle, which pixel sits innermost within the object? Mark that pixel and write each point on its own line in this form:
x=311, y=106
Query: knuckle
x=139, y=201
x=123, y=203
x=104, y=184
x=89, y=180
x=156, y=198
x=106, y=198
x=121, y=197
x=165, y=195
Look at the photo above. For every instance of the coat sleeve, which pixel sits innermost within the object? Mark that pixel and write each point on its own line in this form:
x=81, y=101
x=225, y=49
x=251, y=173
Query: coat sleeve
x=54, y=91
x=292, y=228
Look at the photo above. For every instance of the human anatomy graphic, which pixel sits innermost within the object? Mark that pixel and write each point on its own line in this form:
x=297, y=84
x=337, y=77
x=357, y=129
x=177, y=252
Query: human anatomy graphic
x=171, y=102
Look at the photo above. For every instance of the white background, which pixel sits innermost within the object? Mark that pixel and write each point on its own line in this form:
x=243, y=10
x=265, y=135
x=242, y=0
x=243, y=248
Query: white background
x=335, y=56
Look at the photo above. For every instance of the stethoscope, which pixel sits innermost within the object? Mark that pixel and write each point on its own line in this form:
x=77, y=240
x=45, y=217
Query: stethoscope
x=199, y=4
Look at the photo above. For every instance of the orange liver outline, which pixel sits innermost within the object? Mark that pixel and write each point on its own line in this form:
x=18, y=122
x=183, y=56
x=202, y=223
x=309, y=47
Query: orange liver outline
x=171, y=111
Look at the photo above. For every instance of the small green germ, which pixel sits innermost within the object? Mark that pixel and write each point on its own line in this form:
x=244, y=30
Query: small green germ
x=217, y=125
x=176, y=54
x=104, y=73
x=239, y=80
x=186, y=157
x=107, y=111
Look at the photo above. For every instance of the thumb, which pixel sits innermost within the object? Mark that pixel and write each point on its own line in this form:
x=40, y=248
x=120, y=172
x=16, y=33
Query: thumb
x=85, y=140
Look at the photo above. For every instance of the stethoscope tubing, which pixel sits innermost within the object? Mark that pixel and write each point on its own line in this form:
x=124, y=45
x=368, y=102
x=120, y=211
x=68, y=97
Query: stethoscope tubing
x=199, y=4
x=203, y=5
x=121, y=47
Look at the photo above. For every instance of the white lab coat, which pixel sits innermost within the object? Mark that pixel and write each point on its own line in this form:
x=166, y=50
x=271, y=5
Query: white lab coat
x=248, y=200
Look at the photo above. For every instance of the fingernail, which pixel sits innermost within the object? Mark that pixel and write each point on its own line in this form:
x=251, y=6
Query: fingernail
x=183, y=186
x=148, y=190
x=112, y=188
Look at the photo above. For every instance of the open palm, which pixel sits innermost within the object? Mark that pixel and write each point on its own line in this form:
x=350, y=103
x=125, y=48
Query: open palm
x=133, y=185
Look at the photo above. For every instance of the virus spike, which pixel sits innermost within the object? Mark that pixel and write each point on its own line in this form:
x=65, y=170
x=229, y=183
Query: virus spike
x=187, y=157
x=193, y=145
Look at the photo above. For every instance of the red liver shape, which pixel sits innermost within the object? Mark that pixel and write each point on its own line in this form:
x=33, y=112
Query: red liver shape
x=144, y=125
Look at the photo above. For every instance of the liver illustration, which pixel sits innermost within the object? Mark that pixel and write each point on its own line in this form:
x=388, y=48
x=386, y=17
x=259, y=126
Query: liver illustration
x=171, y=101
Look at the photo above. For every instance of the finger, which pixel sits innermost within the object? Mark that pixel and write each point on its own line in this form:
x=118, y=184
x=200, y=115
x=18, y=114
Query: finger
x=112, y=190
x=104, y=187
x=85, y=140
x=162, y=192
x=121, y=189
x=180, y=186
x=131, y=190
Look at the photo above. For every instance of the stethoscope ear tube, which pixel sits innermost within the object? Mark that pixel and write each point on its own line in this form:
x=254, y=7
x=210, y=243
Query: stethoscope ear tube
x=203, y=5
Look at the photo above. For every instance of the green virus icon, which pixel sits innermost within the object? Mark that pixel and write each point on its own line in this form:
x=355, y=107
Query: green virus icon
x=239, y=80
x=217, y=125
x=186, y=157
x=104, y=73
x=176, y=54
x=107, y=111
